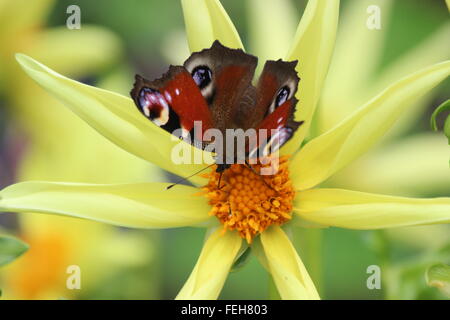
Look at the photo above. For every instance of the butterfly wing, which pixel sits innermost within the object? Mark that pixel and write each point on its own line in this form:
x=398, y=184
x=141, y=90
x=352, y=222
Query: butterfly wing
x=231, y=72
x=173, y=102
x=214, y=87
x=208, y=88
x=275, y=107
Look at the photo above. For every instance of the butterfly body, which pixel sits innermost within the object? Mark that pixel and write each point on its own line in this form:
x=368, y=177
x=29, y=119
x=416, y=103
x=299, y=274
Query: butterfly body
x=214, y=88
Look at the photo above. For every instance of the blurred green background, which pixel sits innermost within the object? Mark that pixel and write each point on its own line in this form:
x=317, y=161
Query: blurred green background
x=150, y=31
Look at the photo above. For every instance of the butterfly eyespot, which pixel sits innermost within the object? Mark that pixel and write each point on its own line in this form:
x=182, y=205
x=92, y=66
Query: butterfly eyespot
x=154, y=106
x=282, y=96
x=202, y=76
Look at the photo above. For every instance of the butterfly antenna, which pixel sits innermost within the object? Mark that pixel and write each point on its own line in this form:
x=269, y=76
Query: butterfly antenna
x=184, y=179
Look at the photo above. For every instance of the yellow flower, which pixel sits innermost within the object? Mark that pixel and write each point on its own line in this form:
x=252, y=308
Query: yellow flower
x=60, y=146
x=355, y=78
x=149, y=205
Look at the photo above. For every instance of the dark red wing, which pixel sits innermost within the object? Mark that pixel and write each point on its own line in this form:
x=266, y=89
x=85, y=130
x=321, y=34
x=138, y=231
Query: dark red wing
x=172, y=102
x=275, y=108
x=231, y=73
x=279, y=126
x=214, y=87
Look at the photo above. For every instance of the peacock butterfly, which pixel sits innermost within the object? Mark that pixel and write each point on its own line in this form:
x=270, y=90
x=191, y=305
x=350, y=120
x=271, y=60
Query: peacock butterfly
x=214, y=88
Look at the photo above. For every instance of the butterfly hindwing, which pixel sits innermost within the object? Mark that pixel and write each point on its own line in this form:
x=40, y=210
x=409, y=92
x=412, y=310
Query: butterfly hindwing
x=275, y=107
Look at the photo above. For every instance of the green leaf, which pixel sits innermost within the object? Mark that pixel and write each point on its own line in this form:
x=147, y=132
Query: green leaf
x=438, y=276
x=10, y=249
x=443, y=107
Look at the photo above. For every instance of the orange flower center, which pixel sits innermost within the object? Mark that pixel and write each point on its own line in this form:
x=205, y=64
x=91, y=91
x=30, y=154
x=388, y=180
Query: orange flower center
x=249, y=202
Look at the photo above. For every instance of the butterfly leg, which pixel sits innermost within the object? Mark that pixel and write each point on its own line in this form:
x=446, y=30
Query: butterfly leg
x=220, y=179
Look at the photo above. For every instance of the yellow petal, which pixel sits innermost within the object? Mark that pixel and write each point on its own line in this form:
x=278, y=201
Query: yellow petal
x=413, y=166
x=50, y=158
x=114, y=116
x=434, y=49
x=19, y=21
x=143, y=205
x=212, y=268
x=312, y=47
x=206, y=21
x=333, y=150
x=22, y=16
x=287, y=269
x=359, y=210
x=357, y=53
x=87, y=50
x=271, y=40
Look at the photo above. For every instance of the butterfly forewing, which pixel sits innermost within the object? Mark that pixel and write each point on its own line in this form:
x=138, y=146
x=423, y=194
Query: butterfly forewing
x=231, y=73
x=173, y=102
